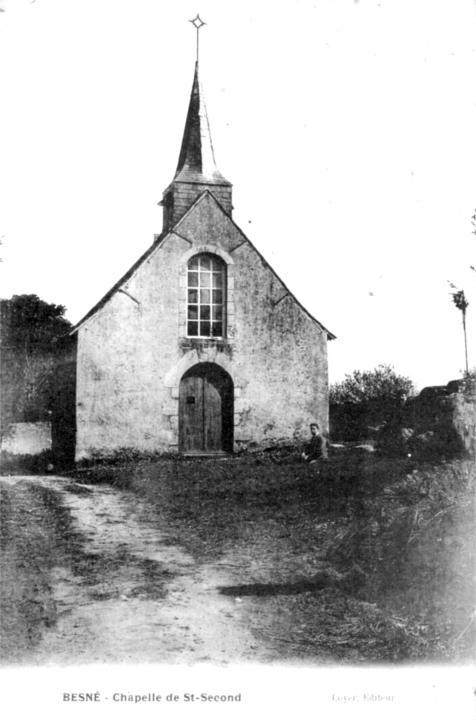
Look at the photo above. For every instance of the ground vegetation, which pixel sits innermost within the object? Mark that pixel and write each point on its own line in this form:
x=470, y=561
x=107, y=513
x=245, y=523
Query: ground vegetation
x=360, y=559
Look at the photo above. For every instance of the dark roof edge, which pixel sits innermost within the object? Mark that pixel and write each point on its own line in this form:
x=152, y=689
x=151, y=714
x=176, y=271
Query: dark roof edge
x=136, y=265
x=120, y=282
x=330, y=335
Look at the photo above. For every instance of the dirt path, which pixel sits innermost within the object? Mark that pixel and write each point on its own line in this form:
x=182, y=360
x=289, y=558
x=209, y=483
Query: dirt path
x=131, y=594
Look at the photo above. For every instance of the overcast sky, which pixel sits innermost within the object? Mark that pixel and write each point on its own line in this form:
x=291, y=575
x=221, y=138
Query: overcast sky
x=347, y=129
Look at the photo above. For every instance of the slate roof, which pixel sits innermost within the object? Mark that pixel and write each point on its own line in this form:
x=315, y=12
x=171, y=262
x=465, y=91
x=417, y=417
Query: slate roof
x=197, y=160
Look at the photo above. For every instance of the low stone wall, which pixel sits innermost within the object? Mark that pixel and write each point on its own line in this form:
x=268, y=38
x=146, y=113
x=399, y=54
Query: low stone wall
x=440, y=419
x=27, y=438
x=464, y=421
x=451, y=416
x=445, y=410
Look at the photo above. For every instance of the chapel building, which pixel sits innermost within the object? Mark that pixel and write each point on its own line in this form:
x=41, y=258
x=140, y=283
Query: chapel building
x=200, y=348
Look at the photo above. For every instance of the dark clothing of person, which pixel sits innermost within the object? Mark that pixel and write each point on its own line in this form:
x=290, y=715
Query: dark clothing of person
x=316, y=448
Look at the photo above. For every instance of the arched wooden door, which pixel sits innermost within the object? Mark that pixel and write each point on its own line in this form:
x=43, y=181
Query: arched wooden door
x=206, y=410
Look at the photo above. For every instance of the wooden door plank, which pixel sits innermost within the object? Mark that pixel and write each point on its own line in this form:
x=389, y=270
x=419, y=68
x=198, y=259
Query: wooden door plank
x=191, y=411
x=212, y=401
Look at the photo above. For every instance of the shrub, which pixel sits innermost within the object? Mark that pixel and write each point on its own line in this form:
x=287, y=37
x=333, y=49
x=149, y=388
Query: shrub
x=367, y=398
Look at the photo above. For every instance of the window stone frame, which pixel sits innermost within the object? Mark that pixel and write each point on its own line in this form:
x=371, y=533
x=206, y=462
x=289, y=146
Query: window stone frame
x=230, y=294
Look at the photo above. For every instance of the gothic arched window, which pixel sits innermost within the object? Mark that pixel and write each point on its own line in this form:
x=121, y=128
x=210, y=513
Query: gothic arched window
x=206, y=294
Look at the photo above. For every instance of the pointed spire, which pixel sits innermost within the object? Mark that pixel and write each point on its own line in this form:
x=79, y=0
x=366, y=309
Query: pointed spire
x=197, y=161
x=196, y=170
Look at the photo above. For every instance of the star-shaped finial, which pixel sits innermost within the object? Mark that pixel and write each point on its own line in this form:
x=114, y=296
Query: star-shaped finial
x=197, y=24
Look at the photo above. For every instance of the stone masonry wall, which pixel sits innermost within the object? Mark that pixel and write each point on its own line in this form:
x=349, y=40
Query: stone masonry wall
x=446, y=413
